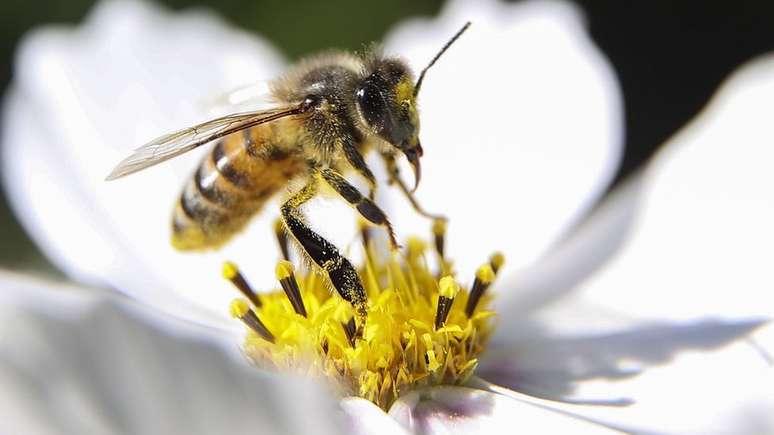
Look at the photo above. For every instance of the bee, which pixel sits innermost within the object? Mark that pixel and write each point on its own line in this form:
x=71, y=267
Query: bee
x=329, y=111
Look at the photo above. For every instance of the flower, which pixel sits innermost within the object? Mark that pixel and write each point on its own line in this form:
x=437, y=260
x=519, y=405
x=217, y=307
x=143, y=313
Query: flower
x=143, y=72
x=74, y=111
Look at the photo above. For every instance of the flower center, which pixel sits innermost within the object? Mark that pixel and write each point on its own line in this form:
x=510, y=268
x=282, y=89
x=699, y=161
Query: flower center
x=421, y=328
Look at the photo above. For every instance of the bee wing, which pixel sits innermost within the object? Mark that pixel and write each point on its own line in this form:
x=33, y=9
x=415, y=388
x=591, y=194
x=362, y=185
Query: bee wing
x=257, y=95
x=172, y=145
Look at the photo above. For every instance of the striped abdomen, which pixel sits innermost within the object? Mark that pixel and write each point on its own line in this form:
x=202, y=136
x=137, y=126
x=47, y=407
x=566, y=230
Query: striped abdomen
x=230, y=186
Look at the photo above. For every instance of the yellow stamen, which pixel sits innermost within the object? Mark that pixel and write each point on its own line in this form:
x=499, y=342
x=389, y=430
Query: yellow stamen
x=485, y=275
x=286, y=277
x=496, y=261
x=284, y=269
x=439, y=227
x=229, y=270
x=241, y=310
x=238, y=308
x=413, y=331
x=282, y=238
x=439, y=236
x=365, y=231
x=448, y=287
x=231, y=273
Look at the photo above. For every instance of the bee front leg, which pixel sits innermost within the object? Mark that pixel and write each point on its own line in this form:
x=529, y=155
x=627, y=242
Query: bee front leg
x=394, y=174
x=339, y=270
x=367, y=208
x=356, y=160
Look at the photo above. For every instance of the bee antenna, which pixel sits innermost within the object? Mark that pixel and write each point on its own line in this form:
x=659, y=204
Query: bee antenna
x=432, y=62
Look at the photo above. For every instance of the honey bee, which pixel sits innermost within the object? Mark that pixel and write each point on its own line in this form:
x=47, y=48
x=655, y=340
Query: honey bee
x=329, y=111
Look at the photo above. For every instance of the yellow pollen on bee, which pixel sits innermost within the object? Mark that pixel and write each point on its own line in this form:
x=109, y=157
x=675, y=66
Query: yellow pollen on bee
x=404, y=92
x=403, y=343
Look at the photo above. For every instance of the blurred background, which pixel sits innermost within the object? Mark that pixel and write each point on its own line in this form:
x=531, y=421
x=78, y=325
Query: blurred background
x=669, y=56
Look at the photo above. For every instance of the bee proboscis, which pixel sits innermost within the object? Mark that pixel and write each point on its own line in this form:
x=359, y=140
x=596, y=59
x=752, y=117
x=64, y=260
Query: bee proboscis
x=330, y=110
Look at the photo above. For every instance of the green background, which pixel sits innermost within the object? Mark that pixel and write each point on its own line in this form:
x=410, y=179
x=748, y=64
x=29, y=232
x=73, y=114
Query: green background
x=296, y=27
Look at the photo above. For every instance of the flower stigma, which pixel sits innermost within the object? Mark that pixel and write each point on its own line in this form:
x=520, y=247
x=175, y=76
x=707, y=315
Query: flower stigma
x=422, y=327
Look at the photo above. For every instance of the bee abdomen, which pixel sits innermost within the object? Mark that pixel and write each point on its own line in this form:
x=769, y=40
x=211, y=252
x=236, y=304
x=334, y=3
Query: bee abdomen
x=230, y=186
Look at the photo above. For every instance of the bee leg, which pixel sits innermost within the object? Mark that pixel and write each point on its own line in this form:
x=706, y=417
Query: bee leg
x=322, y=252
x=367, y=208
x=394, y=174
x=356, y=160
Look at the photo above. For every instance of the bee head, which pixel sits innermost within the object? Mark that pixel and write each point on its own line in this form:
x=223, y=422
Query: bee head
x=386, y=102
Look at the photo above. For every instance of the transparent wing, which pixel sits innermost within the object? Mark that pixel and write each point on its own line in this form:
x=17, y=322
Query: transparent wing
x=171, y=145
x=250, y=96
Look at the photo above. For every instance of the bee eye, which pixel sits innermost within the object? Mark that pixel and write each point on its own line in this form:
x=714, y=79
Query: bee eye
x=372, y=106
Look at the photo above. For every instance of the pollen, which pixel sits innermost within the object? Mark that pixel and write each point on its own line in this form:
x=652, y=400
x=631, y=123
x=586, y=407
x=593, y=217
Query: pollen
x=423, y=327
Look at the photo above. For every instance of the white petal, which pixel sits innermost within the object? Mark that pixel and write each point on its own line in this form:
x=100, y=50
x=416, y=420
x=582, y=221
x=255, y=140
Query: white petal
x=554, y=277
x=74, y=362
x=365, y=418
x=451, y=410
x=81, y=100
x=521, y=126
x=556, y=367
x=703, y=243
x=725, y=390
x=698, y=249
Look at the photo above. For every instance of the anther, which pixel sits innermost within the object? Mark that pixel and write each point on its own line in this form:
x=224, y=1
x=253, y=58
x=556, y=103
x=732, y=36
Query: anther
x=287, y=279
x=282, y=238
x=496, y=261
x=484, y=277
x=365, y=233
x=350, y=330
x=415, y=247
x=241, y=310
x=231, y=273
x=447, y=292
x=439, y=234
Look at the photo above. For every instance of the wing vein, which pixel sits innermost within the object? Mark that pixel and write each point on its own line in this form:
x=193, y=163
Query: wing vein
x=174, y=144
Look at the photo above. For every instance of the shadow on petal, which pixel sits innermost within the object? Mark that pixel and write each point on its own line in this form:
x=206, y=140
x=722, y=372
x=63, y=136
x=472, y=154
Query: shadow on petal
x=452, y=409
x=422, y=411
x=552, y=368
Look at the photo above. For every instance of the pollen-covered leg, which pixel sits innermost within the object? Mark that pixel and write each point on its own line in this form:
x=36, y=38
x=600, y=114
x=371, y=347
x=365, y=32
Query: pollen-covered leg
x=322, y=252
x=394, y=174
x=370, y=211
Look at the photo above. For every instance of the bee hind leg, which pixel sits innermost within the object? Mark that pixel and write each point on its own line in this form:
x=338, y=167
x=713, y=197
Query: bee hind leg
x=366, y=207
x=340, y=271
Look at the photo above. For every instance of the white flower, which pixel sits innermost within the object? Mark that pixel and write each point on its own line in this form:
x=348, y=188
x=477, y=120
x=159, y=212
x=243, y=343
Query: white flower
x=521, y=126
x=146, y=72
